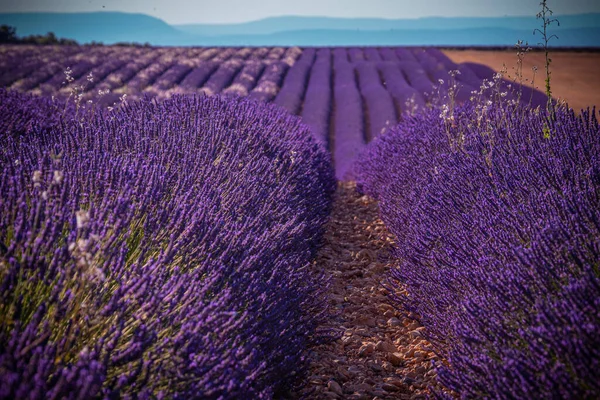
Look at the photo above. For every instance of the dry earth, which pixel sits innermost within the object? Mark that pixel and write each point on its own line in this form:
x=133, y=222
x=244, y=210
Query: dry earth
x=381, y=353
x=574, y=77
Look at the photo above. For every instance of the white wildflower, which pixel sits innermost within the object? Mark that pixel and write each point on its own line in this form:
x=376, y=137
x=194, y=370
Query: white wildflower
x=83, y=218
x=37, y=178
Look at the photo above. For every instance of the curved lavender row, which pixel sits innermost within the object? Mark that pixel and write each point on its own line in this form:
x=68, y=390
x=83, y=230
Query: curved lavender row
x=275, y=53
x=243, y=53
x=470, y=81
x=372, y=54
x=417, y=77
x=208, y=54
x=293, y=88
x=198, y=76
x=356, y=54
x=124, y=74
x=51, y=74
x=172, y=76
x=317, y=101
x=163, y=254
x=109, y=64
x=407, y=98
x=290, y=55
x=245, y=81
x=80, y=65
x=388, y=54
x=340, y=56
x=405, y=55
x=34, y=61
x=441, y=77
x=467, y=75
x=499, y=254
x=222, y=77
x=268, y=84
x=259, y=53
x=151, y=73
x=348, y=119
x=223, y=54
x=39, y=74
x=527, y=95
x=381, y=111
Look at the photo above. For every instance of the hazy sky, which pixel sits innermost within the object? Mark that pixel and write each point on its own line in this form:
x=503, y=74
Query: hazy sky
x=230, y=11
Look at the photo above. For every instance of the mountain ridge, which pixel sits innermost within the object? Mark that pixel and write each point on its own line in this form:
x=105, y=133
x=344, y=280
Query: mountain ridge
x=581, y=30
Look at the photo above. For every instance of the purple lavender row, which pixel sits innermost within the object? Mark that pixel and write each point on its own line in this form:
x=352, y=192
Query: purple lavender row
x=349, y=137
x=224, y=54
x=51, y=73
x=408, y=100
x=171, y=77
x=471, y=80
x=293, y=88
x=113, y=63
x=498, y=244
x=372, y=54
x=417, y=77
x=388, y=54
x=269, y=83
x=317, y=101
x=466, y=79
x=198, y=76
x=380, y=108
x=222, y=77
x=290, y=55
x=355, y=54
x=243, y=53
x=208, y=54
x=405, y=55
x=275, y=53
x=147, y=76
x=259, y=53
x=246, y=80
x=158, y=251
x=124, y=74
x=79, y=67
x=25, y=64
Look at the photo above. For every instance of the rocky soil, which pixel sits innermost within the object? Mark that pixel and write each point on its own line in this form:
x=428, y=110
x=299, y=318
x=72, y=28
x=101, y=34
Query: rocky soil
x=381, y=353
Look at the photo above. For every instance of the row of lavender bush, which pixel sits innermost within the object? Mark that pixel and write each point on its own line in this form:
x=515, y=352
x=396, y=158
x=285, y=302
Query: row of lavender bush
x=496, y=212
x=160, y=250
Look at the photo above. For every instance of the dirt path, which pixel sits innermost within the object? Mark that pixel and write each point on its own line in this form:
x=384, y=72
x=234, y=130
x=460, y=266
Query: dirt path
x=381, y=354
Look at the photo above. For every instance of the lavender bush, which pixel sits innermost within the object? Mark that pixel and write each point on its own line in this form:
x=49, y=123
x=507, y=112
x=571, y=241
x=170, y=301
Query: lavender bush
x=498, y=239
x=160, y=250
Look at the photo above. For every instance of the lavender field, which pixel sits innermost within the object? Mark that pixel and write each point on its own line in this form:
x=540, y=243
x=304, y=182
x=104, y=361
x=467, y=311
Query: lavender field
x=348, y=96
x=166, y=226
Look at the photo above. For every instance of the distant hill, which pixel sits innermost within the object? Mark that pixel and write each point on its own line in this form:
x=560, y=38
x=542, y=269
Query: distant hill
x=583, y=37
x=273, y=25
x=112, y=27
x=106, y=27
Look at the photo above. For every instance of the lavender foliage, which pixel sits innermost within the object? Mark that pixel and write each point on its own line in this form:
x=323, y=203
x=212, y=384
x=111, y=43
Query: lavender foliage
x=160, y=250
x=498, y=239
